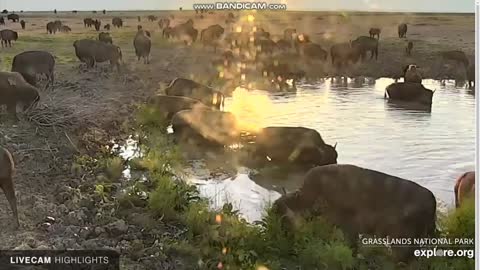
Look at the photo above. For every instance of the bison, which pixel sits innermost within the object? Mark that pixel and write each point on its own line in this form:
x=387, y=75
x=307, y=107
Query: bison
x=455, y=55
x=7, y=36
x=97, y=25
x=13, y=17
x=88, y=22
x=211, y=35
x=299, y=146
x=464, y=187
x=91, y=51
x=471, y=76
x=289, y=34
x=117, y=22
x=14, y=90
x=105, y=37
x=206, y=127
x=402, y=30
x=170, y=105
x=107, y=27
x=188, y=88
x=343, y=53
x=313, y=51
x=142, y=44
x=409, y=48
x=375, y=32
x=412, y=74
x=7, y=170
x=65, y=29
x=411, y=92
x=22, y=24
x=2, y=21
x=366, y=44
x=364, y=201
x=33, y=63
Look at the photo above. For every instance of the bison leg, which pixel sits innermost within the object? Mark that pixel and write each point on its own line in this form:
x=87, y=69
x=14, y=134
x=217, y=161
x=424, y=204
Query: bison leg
x=7, y=186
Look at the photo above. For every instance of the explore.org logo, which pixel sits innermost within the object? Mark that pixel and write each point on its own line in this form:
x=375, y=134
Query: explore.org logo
x=240, y=6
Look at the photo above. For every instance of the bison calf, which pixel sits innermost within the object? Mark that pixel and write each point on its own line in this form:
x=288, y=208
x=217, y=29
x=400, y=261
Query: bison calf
x=363, y=201
x=7, y=169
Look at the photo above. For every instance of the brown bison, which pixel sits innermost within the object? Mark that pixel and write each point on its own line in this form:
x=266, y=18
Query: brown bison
x=292, y=145
x=152, y=18
x=170, y=105
x=105, y=37
x=363, y=201
x=51, y=28
x=412, y=74
x=14, y=90
x=88, y=22
x=206, y=127
x=409, y=48
x=457, y=56
x=2, y=21
x=313, y=51
x=92, y=51
x=107, y=27
x=411, y=92
x=7, y=36
x=375, y=32
x=188, y=88
x=366, y=44
x=65, y=29
x=13, y=17
x=167, y=32
x=464, y=187
x=117, y=22
x=289, y=34
x=211, y=35
x=343, y=53
x=402, y=30
x=164, y=23
x=33, y=63
x=97, y=25
x=22, y=24
x=7, y=170
x=142, y=44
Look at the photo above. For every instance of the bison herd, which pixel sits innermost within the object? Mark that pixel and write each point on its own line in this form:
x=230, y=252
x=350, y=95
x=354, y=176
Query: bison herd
x=375, y=201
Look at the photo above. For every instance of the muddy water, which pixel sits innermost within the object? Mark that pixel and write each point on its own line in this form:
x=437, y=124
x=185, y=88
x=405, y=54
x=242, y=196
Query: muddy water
x=430, y=148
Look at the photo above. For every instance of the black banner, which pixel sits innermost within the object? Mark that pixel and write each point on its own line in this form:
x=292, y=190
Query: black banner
x=59, y=260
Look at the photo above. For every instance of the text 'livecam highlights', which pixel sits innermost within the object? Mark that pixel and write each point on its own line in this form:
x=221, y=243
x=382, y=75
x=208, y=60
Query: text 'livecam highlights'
x=263, y=135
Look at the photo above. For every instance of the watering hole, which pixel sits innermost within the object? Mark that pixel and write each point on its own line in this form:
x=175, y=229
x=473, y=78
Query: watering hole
x=431, y=147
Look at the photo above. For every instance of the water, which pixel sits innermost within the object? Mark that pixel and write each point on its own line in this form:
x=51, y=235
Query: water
x=430, y=148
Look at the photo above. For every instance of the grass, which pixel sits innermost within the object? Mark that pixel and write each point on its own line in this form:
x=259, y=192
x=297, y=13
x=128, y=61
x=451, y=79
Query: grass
x=221, y=239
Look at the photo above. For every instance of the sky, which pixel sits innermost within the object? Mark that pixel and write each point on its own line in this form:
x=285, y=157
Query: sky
x=360, y=5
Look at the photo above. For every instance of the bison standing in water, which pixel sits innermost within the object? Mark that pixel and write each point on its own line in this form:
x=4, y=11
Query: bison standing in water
x=471, y=76
x=411, y=92
x=7, y=170
x=33, y=63
x=402, y=30
x=142, y=44
x=206, y=127
x=412, y=74
x=299, y=146
x=188, y=88
x=7, y=36
x=14, y=90
x=91, y=51
x=375, y=32
x=464, y=187
x=363, y=201
x=457, y=56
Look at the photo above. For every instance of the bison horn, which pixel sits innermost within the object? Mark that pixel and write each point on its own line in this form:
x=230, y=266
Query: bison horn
x=335, y=146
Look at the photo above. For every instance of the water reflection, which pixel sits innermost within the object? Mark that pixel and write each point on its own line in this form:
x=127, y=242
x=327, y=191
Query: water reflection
x=429, y=146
